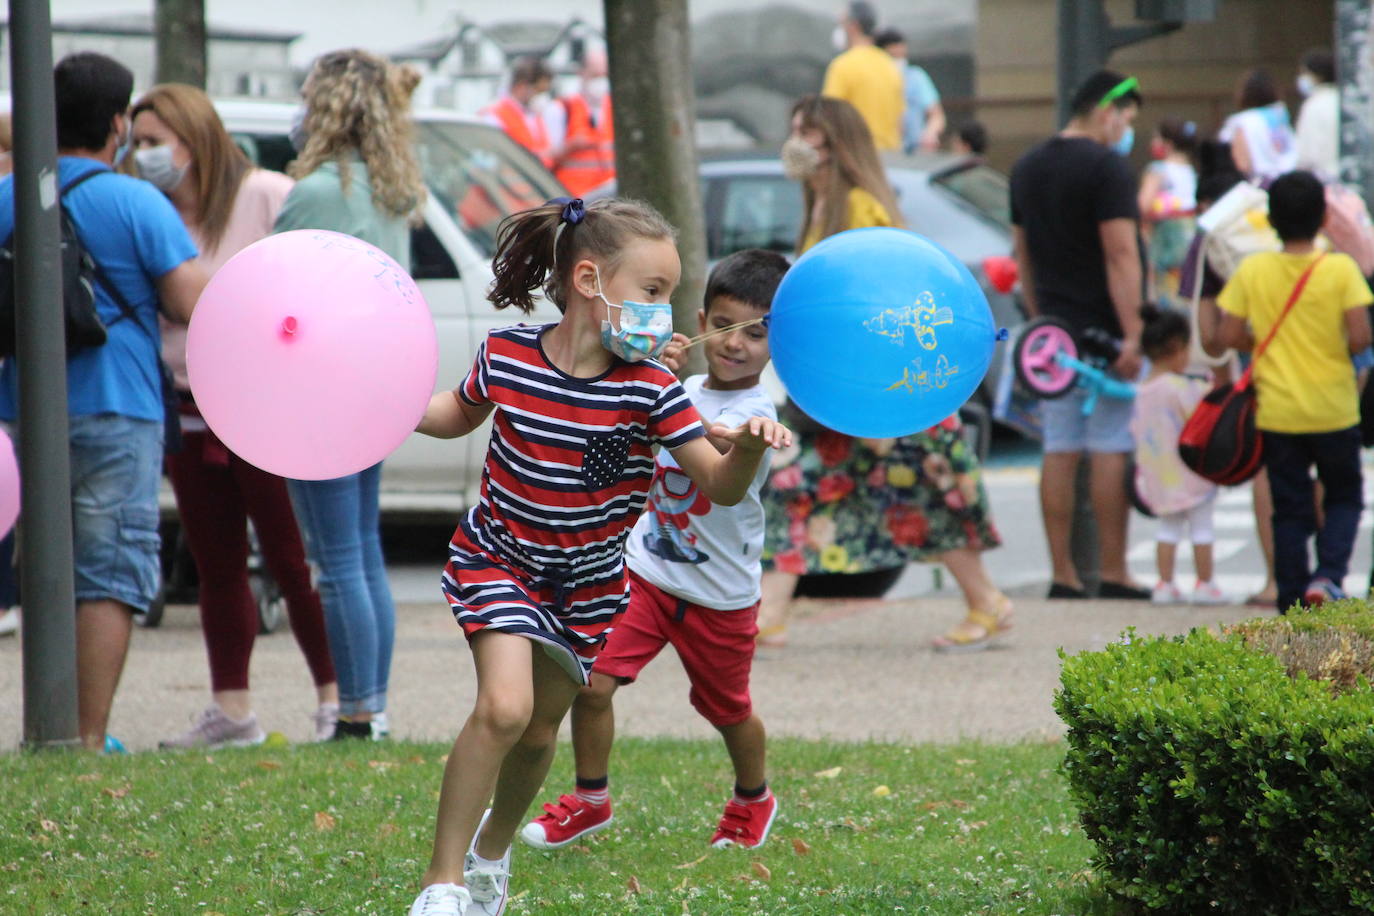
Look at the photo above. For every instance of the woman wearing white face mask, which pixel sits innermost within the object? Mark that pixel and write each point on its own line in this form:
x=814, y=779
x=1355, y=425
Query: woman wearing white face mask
x=181, y=147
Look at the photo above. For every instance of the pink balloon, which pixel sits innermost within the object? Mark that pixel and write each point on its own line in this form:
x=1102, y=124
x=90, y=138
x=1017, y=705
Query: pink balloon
x=9, y=484
x=312, y=354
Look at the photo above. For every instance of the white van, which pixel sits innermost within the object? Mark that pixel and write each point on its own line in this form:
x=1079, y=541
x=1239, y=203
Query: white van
x=476, y=175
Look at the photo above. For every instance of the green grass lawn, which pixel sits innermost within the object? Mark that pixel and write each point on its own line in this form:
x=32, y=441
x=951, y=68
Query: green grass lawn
x=347, y=829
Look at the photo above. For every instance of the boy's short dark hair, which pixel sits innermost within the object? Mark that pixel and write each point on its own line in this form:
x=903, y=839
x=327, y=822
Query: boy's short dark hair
x=1297, y=206
x=751, y=276
x=90, y=89
x=975, y=136
x=1320, y=63
x=1095, y=90
x=889, y=37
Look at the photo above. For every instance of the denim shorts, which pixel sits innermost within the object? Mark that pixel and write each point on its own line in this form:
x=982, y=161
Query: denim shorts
x=116, y=463
x=1107, y=430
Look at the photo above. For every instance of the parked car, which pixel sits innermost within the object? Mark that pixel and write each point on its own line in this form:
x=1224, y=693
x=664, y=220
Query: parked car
x=959, y=202
x=476, y=175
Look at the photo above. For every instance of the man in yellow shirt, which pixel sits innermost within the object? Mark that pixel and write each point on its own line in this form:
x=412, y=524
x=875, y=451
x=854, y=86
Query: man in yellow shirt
x=865, y=76
x=1308, y=401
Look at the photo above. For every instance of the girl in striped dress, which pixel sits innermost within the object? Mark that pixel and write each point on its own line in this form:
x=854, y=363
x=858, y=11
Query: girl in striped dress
x=536, y=572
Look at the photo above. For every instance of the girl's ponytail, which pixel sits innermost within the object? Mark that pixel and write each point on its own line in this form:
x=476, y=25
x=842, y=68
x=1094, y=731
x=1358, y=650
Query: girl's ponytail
x=536, y=248
x=524, y=256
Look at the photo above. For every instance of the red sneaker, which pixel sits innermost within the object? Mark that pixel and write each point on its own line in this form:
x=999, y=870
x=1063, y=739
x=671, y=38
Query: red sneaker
x=745, y=825
x=564, y=821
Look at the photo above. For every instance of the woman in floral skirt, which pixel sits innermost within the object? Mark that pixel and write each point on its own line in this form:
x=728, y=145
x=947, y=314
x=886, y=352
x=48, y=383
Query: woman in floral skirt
x=837, y=504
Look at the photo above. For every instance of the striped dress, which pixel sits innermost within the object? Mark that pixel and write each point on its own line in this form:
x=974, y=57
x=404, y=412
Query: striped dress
x=567, y=474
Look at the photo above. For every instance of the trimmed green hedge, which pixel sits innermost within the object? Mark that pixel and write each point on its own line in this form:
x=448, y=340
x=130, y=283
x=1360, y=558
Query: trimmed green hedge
x=1212, y=782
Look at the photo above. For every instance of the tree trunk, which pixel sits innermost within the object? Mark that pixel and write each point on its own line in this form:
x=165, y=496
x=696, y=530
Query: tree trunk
x=1355, y=67
x=180, y=34
x=655, y=133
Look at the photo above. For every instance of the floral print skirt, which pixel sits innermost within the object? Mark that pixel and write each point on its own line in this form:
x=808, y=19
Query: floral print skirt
x=833, y=504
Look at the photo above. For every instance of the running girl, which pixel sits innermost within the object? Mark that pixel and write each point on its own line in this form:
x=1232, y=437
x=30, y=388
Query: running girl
x=536, y=572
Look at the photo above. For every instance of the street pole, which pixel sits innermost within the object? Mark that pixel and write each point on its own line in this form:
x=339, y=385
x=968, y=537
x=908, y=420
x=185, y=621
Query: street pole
x=655, y=134
x=46, y=568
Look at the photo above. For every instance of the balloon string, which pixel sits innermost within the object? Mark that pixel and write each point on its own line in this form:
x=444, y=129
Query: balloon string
x=725, y=330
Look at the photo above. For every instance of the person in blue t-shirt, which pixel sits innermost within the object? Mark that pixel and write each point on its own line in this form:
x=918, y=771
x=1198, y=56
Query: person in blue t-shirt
x=114, y=391
x=924, y=119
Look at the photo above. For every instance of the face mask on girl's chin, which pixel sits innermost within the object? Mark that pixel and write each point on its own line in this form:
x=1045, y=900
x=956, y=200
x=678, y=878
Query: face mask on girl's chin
x=1306, y=83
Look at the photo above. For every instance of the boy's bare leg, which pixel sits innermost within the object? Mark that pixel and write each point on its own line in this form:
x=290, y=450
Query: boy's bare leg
x=1202, y=561
x=1165, y=554
x=745, y=742
x=593, y=727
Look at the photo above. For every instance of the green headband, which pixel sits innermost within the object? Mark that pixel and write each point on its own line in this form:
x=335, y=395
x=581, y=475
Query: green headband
x=1129, y=84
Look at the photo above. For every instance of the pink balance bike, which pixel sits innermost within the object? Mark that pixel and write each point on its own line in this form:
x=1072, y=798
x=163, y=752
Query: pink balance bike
x=1051, y=361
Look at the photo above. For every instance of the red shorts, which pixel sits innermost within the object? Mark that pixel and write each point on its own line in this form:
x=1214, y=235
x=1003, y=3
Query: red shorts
x=716, y=648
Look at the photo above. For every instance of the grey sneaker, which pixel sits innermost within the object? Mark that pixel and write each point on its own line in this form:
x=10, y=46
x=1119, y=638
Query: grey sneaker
x=215, y=729
x=441, y=900
x=488, y=884
x=326, y=719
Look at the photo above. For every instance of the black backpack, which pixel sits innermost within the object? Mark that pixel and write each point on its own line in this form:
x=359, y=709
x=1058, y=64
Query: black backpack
x=79, y=276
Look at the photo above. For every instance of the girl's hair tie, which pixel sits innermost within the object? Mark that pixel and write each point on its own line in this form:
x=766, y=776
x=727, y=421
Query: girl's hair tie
x=573, y=210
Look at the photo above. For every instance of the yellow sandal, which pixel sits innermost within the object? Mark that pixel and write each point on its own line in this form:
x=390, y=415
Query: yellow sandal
x=958, y=639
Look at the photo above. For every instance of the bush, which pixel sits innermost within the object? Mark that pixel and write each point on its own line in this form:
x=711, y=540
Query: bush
x=1212, y=782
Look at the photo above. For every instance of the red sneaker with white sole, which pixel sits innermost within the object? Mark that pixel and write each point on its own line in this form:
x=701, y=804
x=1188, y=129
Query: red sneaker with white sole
x=564, y=821
x=745, y=825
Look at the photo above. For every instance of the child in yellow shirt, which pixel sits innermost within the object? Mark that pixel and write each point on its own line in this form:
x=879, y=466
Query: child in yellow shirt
x=1308, y=402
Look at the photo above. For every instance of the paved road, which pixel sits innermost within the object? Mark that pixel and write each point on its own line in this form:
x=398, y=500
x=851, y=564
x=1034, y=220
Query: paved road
x=855, y=669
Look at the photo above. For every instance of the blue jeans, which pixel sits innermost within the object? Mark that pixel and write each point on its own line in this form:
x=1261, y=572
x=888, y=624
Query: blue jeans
x=341, y=520
x=1288, y=460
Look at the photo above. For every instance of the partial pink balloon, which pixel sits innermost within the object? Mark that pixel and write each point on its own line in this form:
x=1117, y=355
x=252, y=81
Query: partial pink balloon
x=9, y=484
x=312, y=354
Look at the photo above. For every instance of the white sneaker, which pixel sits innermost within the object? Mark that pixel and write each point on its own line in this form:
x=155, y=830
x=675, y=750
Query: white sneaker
x=215, y=729
x=9, y=622
x=1208, y=593
x=381, y=728
x=1166, y=593
x=326, y=718
x=488, y=884
x=442, y=900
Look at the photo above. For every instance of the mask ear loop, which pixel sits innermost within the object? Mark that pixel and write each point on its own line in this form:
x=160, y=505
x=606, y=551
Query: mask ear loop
x=726, y=330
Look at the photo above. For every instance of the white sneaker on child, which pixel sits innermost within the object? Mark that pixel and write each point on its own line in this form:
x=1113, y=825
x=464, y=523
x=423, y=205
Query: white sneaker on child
x=326, y=719
x=1207, y=593
x=487, y=881
x=442, y=900
x=1166, y=593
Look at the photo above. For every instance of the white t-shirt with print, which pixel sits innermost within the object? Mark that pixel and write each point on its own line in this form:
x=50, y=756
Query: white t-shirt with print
x=703, y=553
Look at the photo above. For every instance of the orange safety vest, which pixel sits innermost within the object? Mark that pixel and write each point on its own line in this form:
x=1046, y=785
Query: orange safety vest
x=585, y=169
x=529, y=132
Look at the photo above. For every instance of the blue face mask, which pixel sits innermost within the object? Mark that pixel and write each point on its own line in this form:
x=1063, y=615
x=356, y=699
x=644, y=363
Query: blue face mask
x=645, y=328
x=1127, y=141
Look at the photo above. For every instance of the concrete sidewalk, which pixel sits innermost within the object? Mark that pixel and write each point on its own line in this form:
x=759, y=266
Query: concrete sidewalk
x=854, y=670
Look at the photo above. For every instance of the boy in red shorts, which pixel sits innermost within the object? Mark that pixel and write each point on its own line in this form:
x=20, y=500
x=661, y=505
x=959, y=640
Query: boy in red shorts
x=694, y=582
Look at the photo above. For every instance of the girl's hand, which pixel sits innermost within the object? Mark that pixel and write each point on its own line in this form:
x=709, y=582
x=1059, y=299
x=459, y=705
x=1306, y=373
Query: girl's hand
x=756, y=435
x=675, y=354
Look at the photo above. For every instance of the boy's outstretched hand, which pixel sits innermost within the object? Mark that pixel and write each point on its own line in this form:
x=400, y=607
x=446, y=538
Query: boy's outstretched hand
x=675, y=354
x=755, y=436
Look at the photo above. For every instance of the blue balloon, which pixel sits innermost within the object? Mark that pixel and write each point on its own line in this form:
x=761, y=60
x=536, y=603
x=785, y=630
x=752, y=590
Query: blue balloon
x=880, y=332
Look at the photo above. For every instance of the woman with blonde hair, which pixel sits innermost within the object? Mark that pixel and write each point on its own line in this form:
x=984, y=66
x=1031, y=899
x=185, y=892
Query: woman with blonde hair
x=182, y=148
x=356, y=173
x=866, y=507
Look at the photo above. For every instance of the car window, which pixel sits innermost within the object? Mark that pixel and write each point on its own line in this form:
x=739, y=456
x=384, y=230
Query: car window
x=757, y=211
x=986, y=189
x=480, y=176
